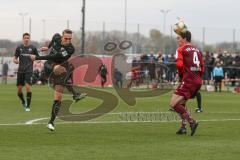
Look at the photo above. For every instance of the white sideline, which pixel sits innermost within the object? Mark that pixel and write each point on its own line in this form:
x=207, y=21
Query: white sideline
x=119, y=113
x=113, y=122
x=35, y=121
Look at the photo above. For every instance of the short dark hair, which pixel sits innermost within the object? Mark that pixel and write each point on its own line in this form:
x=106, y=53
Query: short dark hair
x=68, y=31
x=26, y=34
x=186, y=35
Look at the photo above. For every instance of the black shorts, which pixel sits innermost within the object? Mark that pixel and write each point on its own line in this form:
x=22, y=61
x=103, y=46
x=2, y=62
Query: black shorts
x=48, y=68
x=23, y=78
x=218, y=79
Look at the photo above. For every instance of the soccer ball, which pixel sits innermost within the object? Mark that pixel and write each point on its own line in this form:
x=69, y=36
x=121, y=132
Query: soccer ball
x=180, y=27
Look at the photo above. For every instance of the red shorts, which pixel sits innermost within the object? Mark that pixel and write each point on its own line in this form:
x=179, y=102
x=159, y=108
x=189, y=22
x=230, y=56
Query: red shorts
x=187, y=90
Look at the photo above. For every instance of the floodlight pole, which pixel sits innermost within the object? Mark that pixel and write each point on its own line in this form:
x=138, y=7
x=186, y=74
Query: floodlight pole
x=68, y=24
x=164, y=12
x=23, y=15
x=125, y=19
x=30, y=25
x=83, y=27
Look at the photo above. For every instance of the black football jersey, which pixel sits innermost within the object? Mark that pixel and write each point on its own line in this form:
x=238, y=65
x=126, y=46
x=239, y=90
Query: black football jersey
x=25, y=62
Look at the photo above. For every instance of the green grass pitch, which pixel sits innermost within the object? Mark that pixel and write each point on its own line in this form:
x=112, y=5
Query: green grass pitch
x=106, y=138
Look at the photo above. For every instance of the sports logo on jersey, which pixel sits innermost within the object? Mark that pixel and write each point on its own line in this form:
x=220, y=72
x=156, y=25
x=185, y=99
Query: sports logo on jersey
x=64, y=52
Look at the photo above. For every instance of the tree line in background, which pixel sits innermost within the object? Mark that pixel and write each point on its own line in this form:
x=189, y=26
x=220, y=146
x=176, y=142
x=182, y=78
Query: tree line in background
x=95, y=41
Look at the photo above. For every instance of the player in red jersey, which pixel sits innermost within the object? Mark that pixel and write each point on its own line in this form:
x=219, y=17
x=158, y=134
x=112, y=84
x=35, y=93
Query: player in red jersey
x=190, y=67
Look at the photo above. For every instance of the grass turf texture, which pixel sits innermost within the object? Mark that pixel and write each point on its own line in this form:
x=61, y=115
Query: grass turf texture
x=214, y=139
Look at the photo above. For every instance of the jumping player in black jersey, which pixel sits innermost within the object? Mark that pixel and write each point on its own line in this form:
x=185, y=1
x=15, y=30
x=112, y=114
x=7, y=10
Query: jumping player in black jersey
x=25, y=69
x=49, y=65
x=61, y=51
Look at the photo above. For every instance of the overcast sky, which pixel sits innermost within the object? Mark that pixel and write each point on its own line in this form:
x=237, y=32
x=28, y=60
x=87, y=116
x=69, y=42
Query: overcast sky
x=219, y=16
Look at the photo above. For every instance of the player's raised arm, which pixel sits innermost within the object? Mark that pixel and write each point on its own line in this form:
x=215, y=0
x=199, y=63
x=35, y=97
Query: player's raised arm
x=47, y=57
x=68, y=51
x=56, y=40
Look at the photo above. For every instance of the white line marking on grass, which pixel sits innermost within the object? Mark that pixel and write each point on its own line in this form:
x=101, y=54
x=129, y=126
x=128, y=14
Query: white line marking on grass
x=122, y=113
x=35, y=120
x=116, y=113
x=118, y=122
x=223, y=112
x=114, y=122
x=12, y=124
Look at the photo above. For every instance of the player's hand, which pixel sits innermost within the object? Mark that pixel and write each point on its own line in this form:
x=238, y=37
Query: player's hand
x=44, y=49
x=16, y=61
x=33, y=57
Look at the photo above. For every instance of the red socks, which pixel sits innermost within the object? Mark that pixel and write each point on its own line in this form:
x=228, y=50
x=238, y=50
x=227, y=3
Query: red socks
x=179, y=108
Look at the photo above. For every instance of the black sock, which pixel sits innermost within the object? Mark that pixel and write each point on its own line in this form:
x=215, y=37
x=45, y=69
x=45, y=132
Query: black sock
x=20, y=95
x=55, y=108
x=71, y=90
x=199, y=100
x=215, y=86
x=29, y=97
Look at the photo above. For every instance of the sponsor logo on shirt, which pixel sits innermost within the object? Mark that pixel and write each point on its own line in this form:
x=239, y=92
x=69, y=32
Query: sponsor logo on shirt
x=195, y=69
x=64, y=52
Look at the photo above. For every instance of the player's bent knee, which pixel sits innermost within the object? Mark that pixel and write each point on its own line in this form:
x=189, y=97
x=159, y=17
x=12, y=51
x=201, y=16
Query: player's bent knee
x=59, y=70
x=172, y=103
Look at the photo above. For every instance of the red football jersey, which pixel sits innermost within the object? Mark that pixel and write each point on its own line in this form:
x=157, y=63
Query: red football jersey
x=190, y=64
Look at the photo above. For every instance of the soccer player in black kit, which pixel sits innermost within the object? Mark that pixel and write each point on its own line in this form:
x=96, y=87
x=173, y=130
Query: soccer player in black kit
x=25, y=69
x=61, y=51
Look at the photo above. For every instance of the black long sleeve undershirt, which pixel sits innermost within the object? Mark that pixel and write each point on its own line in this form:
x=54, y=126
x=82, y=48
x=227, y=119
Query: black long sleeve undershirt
x=50, y=57
x=58, y=55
